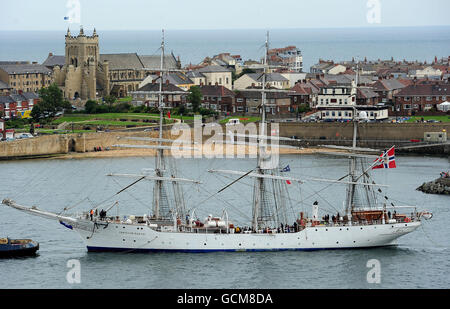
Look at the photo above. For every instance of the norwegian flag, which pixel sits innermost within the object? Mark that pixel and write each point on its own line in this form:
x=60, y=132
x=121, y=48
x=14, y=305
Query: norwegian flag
x=386, y=160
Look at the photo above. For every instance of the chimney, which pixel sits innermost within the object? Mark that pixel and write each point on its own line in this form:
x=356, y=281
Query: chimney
x=50, y=54
x=167, y=81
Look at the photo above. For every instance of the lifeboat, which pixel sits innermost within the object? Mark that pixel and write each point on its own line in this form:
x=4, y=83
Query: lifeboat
x=211, y=222
x=426, y=215
x=17, y=247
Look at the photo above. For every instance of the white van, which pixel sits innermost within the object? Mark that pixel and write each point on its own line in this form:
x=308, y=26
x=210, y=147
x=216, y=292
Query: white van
x=233, y=122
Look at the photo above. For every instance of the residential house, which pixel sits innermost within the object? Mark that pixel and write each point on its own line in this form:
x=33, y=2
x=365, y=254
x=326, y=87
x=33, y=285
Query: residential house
x=15, y=105
x=387, y=88
x=339, y=102
x=293, y=77
x=148, y=95
x=178, y=79
x=428, y=72
x=218, y=98
x=25, y=77
x=215, y=74
x=274, y=80
x=196, y=77
x=366, y=96
x=418, y=98
x=322, y=67
x=290, y=58
x=4, y=88
x=249, y=102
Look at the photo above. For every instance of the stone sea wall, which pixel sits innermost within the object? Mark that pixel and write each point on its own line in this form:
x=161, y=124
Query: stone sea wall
x=439, y=186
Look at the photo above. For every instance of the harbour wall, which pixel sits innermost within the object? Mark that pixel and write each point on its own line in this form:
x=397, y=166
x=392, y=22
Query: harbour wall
x=376, y=135
x=44, y=146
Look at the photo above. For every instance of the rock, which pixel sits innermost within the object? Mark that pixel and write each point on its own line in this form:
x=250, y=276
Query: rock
x=439, y=186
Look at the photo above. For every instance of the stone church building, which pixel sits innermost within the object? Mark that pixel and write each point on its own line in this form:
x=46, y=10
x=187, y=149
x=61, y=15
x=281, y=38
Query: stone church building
x=84, y=74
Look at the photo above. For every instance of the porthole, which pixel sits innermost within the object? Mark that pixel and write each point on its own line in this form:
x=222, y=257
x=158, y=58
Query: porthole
x=205, y=243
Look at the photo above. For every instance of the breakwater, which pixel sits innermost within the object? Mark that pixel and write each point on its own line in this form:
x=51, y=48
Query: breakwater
x=438, y=186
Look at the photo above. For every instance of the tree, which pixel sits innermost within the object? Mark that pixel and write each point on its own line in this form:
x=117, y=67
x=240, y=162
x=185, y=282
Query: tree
x=36, y=113
x=195, y=97
x=51, y=102
x=90, y=107
x=110, y=100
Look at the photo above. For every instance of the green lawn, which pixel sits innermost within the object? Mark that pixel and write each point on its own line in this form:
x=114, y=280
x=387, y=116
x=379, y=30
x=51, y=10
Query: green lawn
x=242, y=119
x=426, y=118
x=113, y=118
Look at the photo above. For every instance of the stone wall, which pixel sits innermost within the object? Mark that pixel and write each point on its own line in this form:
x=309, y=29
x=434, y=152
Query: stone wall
x=40, y=146
x=366, y=131
x=62, y=144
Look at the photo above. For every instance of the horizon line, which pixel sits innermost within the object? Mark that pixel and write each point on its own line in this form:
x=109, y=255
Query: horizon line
x=233, y=29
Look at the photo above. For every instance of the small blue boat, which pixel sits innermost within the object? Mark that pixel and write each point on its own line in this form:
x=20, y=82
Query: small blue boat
x=17, y=247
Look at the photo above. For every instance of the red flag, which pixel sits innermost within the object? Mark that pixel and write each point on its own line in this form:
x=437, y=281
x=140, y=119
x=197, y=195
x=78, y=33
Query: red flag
x=168, y=114
x=288, y=182
x=386, y=160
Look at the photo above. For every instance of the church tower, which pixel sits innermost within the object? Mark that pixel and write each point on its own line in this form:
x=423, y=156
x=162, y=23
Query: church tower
x=82, y=56
x=82, y=50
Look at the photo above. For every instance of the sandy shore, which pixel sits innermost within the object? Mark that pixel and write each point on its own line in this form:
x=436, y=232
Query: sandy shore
x=206, y=153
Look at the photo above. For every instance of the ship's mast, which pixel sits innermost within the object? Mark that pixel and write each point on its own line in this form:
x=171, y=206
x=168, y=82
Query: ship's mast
x=157, y=194
x=352, y=187
x=262, y=147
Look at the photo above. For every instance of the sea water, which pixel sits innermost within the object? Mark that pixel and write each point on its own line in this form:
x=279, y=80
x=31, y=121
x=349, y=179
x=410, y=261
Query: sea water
x=420, y=260
x=338, y=44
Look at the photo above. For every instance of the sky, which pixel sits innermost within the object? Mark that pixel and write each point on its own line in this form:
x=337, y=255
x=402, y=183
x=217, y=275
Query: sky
x=225, y=14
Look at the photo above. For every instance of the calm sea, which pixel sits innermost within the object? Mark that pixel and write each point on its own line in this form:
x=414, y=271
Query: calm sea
x=422, y=43
x=420, y=261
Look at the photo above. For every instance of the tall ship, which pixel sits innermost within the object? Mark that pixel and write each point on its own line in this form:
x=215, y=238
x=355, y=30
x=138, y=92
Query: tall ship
x=366, y=221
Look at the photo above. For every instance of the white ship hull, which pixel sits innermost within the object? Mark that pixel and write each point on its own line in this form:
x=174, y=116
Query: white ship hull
x=132, y=238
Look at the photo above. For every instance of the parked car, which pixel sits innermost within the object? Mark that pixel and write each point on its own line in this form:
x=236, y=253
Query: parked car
x=233, y=122
x=24, y=135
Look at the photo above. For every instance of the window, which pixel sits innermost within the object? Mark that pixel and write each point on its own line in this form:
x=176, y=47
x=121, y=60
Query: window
x=239, y=100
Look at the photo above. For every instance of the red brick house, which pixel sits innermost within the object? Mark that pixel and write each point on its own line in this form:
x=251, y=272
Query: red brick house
x=12, y=105
x=418, y=98
x=218, y=98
